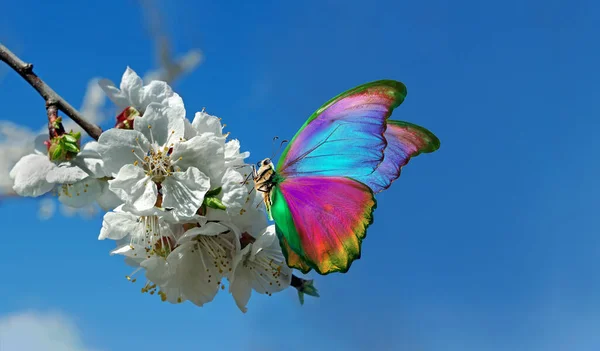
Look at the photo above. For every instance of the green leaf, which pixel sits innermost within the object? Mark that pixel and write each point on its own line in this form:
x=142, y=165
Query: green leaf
x=71, y=139
x=57, y=122
x=213, y=202
x=57, y=153
x=213, y=193
x=71, y=147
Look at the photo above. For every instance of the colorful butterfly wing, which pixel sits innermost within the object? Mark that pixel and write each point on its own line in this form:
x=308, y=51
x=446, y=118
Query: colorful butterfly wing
x=345, y=136
x=404, y=140
x=321, y=221
x=292, y=258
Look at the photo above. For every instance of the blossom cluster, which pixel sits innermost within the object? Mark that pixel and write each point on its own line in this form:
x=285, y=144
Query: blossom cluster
x=180, y=203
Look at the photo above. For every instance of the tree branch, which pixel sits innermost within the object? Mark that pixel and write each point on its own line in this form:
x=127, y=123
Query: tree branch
x=25, y=70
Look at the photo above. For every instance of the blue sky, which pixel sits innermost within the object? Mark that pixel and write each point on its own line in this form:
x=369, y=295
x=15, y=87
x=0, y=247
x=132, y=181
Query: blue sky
x=490, y=243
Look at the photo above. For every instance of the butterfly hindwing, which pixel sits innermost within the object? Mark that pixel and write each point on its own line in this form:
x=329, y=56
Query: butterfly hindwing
x=321, y=221
x=404, y=141
x=292, y=258
x=345, y=137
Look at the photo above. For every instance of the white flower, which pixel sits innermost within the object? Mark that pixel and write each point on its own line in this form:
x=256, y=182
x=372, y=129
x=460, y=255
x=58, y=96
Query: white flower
x=146, y=234
x=204, y=152
x=180, y=265
x=205, y=123
x=35, y=175
x=29, y=175
x=90, y=160
x=235, y=193
x=134, y=93
x=201, y=262
x=162, y=170
x=149, y=156
x=245, y=209
x=260, y=266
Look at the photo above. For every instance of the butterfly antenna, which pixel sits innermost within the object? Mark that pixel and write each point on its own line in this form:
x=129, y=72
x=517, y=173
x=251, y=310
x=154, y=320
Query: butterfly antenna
x=280, y=147
x=273, y=145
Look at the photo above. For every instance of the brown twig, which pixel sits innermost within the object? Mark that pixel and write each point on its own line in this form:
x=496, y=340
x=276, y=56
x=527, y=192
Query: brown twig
x=25, y=70
x=55, y=128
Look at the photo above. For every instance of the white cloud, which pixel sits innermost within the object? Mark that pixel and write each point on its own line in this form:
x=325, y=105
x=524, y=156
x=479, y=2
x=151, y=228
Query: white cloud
x=36, y=331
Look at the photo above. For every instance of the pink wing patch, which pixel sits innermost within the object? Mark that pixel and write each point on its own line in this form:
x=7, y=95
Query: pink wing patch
x=331, y=216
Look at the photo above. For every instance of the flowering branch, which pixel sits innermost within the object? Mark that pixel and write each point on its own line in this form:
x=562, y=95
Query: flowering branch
x=53, y=100
x=186, y=253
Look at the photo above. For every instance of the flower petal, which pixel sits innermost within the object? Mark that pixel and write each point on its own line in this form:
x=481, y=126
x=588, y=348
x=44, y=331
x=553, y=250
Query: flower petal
x=190, y=132
x=29, y=175
x=184, y=191
x=205, y=123
x=160, y=124
x=117, y=225
x=157, y=270
x=116, y=147
x=65, y=174
x=265, y=240
x=81, y=193
x=107, y=199
x=39, y=147
x=204, y=152
x=210, y=229
x=90, y=160
x=135, y=188
x=160, y=92
x=235, y=193
x=196, y=274
x=114, y=94
x=241, y=289
x=131, y=87
x=233, y=157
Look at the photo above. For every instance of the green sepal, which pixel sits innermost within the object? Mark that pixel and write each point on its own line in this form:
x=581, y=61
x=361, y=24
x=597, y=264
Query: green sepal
x=71, y=147
x=301, y=297
x=307, y=288
x=214, y=202
x=213, y=193
x=70, y=138
x=57, y=153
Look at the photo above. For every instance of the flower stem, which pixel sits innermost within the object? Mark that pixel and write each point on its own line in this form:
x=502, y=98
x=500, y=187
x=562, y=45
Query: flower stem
x=55, y=127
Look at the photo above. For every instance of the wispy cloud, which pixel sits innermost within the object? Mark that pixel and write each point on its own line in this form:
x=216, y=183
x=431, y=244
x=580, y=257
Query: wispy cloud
x=169, y=68
x=35, y=331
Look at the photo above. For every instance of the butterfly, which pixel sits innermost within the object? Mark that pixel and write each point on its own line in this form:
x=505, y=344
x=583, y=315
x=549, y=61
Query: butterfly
x=321, y=194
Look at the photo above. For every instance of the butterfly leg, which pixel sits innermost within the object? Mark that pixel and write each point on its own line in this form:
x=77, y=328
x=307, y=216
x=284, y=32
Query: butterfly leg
x=252, y=174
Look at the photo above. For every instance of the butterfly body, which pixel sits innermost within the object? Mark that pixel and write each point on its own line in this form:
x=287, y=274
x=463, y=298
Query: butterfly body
x=264, y=180
x=321, y=194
